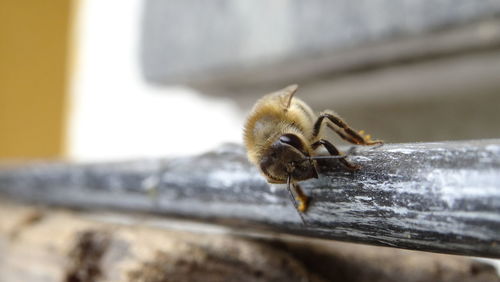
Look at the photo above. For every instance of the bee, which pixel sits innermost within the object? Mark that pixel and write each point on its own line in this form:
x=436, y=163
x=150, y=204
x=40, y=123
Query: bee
x=282, y=135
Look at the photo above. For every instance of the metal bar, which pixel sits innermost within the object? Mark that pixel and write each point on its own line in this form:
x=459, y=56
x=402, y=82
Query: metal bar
x=439, y=197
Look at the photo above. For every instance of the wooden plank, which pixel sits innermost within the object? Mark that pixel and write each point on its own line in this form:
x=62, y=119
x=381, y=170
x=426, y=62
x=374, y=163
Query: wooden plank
x=305, y=44
x=439, y=197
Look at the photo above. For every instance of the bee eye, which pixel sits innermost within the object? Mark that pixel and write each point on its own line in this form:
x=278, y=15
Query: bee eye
x=292, y=140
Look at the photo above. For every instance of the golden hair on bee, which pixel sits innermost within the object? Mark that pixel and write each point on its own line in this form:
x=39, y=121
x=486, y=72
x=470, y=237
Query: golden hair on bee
x=282, y=134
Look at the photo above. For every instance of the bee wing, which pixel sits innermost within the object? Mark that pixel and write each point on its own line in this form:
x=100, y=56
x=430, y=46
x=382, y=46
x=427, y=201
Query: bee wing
x=286, y=95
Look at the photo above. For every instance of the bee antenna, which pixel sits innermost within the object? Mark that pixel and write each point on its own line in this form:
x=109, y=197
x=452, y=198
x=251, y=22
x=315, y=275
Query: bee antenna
x=325, y=157
x=351, y=151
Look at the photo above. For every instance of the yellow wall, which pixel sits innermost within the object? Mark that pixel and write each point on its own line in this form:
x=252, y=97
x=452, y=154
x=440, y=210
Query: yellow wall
x=34, y=41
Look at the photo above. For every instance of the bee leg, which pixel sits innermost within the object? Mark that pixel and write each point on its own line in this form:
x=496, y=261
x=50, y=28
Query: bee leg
x=348, y=133
x=342, y=134
x=301, y=197
x=334, y=152
x=301, y=207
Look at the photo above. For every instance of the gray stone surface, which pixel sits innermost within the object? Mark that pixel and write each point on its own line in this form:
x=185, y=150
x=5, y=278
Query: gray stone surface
x=440, y=197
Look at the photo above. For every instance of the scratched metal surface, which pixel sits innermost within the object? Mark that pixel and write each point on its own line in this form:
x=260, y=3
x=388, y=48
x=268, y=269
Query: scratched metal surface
x=440, y=197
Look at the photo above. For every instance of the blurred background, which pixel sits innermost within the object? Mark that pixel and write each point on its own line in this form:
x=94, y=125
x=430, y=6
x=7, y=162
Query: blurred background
x=103, y=80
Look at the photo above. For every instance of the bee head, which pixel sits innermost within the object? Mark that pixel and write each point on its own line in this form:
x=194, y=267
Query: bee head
x=287, y=156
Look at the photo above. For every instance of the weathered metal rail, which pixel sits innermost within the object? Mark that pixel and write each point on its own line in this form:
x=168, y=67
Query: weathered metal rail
x=440, y=197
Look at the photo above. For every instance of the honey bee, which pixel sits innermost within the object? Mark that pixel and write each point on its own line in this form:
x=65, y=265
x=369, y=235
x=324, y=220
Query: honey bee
x=282, y=134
